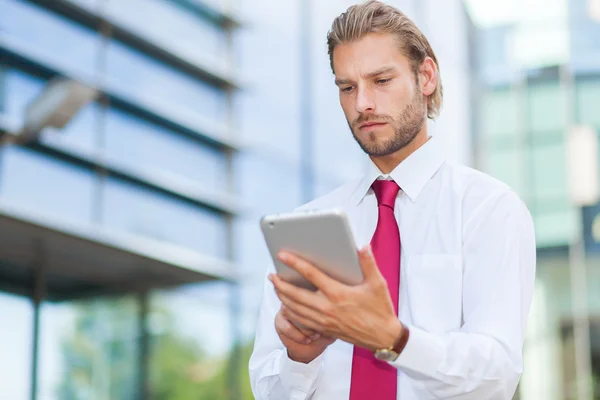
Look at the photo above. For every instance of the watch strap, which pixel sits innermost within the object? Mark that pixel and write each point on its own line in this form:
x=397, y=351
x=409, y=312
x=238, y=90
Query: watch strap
x=402, y=340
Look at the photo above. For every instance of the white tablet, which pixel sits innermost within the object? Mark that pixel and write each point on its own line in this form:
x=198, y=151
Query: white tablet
x=323, y=238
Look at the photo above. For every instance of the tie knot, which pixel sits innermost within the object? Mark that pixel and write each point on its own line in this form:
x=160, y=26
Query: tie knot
x=386, y=192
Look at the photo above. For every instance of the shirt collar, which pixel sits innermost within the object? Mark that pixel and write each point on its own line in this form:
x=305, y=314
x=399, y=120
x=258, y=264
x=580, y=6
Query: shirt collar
x=411, y=174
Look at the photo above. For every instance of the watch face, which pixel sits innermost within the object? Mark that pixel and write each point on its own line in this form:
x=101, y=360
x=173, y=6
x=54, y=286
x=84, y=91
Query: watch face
x=386, y=355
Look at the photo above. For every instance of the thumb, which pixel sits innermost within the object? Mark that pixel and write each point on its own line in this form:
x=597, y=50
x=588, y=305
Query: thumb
x=368, y=264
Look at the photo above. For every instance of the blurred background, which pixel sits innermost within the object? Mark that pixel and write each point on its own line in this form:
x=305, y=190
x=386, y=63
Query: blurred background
x=131, y=261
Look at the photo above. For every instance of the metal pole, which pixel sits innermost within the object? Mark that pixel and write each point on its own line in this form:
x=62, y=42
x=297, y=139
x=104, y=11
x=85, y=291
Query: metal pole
x=306, y=125
x=581, y=322
x=103, y=105
x=234, y=387
x=39, y=286
x=578, y=272
x=144, y=348
x=35, y=361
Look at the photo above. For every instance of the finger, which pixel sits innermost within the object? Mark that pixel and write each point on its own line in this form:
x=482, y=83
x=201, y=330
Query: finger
x=293, y=309
x=368, y=264
x=311, y=273
x=313, y=335
x=306, y=332
x=298, y=295
x=294, y=316
x=287, y=329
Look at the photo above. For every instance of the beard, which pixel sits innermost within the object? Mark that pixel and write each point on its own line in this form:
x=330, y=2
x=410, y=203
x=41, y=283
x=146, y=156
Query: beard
x=407, y=125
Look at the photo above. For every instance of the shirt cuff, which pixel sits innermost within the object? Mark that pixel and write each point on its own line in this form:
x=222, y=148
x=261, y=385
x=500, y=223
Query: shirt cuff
x=297, y=377
x=424, y=353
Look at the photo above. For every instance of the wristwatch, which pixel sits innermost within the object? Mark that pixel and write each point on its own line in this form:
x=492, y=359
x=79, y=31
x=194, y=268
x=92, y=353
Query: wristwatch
x=391, y=353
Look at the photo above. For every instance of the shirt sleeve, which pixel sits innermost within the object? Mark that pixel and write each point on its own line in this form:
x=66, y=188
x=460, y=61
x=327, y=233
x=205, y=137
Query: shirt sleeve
x=483, y=359
x=273, y=375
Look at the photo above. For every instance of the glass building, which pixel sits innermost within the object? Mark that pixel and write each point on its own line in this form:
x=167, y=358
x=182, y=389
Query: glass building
x=132, y=199
x=538, y=76
x=131, y=261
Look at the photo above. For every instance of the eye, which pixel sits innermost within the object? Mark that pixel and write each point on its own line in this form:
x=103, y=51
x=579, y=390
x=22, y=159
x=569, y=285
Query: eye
x=383, y=81
x=347, y=89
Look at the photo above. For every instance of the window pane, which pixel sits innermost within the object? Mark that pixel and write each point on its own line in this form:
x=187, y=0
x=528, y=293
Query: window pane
x=61, y=41
x=586, y=50
x=547, y=138
x=501, y=113
x=253, y=259
x=172, y=26
x=192, y=342
x=135, y=141
x=20, y=90
x=47, y=185
x=15, y=346
x=588, y=98
x=336, y=154
x=89, y=350
x=549, y=172
x=508, y=166
x=268, y=185
x=546, y=108
x=493, y=49
x=269, y=112
x=176, y=92
x=81, y=131
x=141, y=211
x=323, y=184
x=585, y=30
x=555, y=228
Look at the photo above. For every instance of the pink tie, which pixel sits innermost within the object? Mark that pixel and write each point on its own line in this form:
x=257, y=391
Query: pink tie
x=373, y=379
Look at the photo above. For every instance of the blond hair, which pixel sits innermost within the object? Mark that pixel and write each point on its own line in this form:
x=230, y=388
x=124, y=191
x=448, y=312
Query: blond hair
x=376, y=17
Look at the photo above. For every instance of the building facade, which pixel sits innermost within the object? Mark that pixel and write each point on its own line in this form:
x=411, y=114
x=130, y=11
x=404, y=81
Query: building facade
x=147, y=166
x=538, y=74
x=211, y=114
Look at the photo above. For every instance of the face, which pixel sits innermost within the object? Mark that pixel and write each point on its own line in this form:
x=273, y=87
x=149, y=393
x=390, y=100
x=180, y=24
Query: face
x=379, y=93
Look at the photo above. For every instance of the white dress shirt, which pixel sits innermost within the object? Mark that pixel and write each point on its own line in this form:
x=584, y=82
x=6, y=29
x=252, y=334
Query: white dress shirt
x=467, y=271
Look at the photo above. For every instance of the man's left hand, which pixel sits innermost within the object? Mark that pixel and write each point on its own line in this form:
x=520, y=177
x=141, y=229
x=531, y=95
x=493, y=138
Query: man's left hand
x=362, y=314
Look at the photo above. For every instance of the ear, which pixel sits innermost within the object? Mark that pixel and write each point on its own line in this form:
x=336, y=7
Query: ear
x=429, y=75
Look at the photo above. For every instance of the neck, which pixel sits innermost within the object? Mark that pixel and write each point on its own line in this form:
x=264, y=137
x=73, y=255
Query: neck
x=386, y=164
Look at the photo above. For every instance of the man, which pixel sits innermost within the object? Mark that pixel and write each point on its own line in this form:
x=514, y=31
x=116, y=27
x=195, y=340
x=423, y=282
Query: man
x=450, y=268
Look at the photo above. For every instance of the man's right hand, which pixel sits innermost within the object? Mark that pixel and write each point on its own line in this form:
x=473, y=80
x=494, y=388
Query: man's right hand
x=303, y=345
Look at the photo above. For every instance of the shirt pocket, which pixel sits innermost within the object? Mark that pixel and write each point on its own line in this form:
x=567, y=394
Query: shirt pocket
x=434, y=285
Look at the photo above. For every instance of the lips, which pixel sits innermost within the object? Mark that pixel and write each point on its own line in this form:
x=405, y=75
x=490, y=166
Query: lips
x=371, y=124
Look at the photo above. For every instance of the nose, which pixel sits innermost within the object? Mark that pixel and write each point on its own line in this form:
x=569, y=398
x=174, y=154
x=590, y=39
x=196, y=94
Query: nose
x=365, y=101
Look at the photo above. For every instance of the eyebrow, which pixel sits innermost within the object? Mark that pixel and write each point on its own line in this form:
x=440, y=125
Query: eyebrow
x=380, y=71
